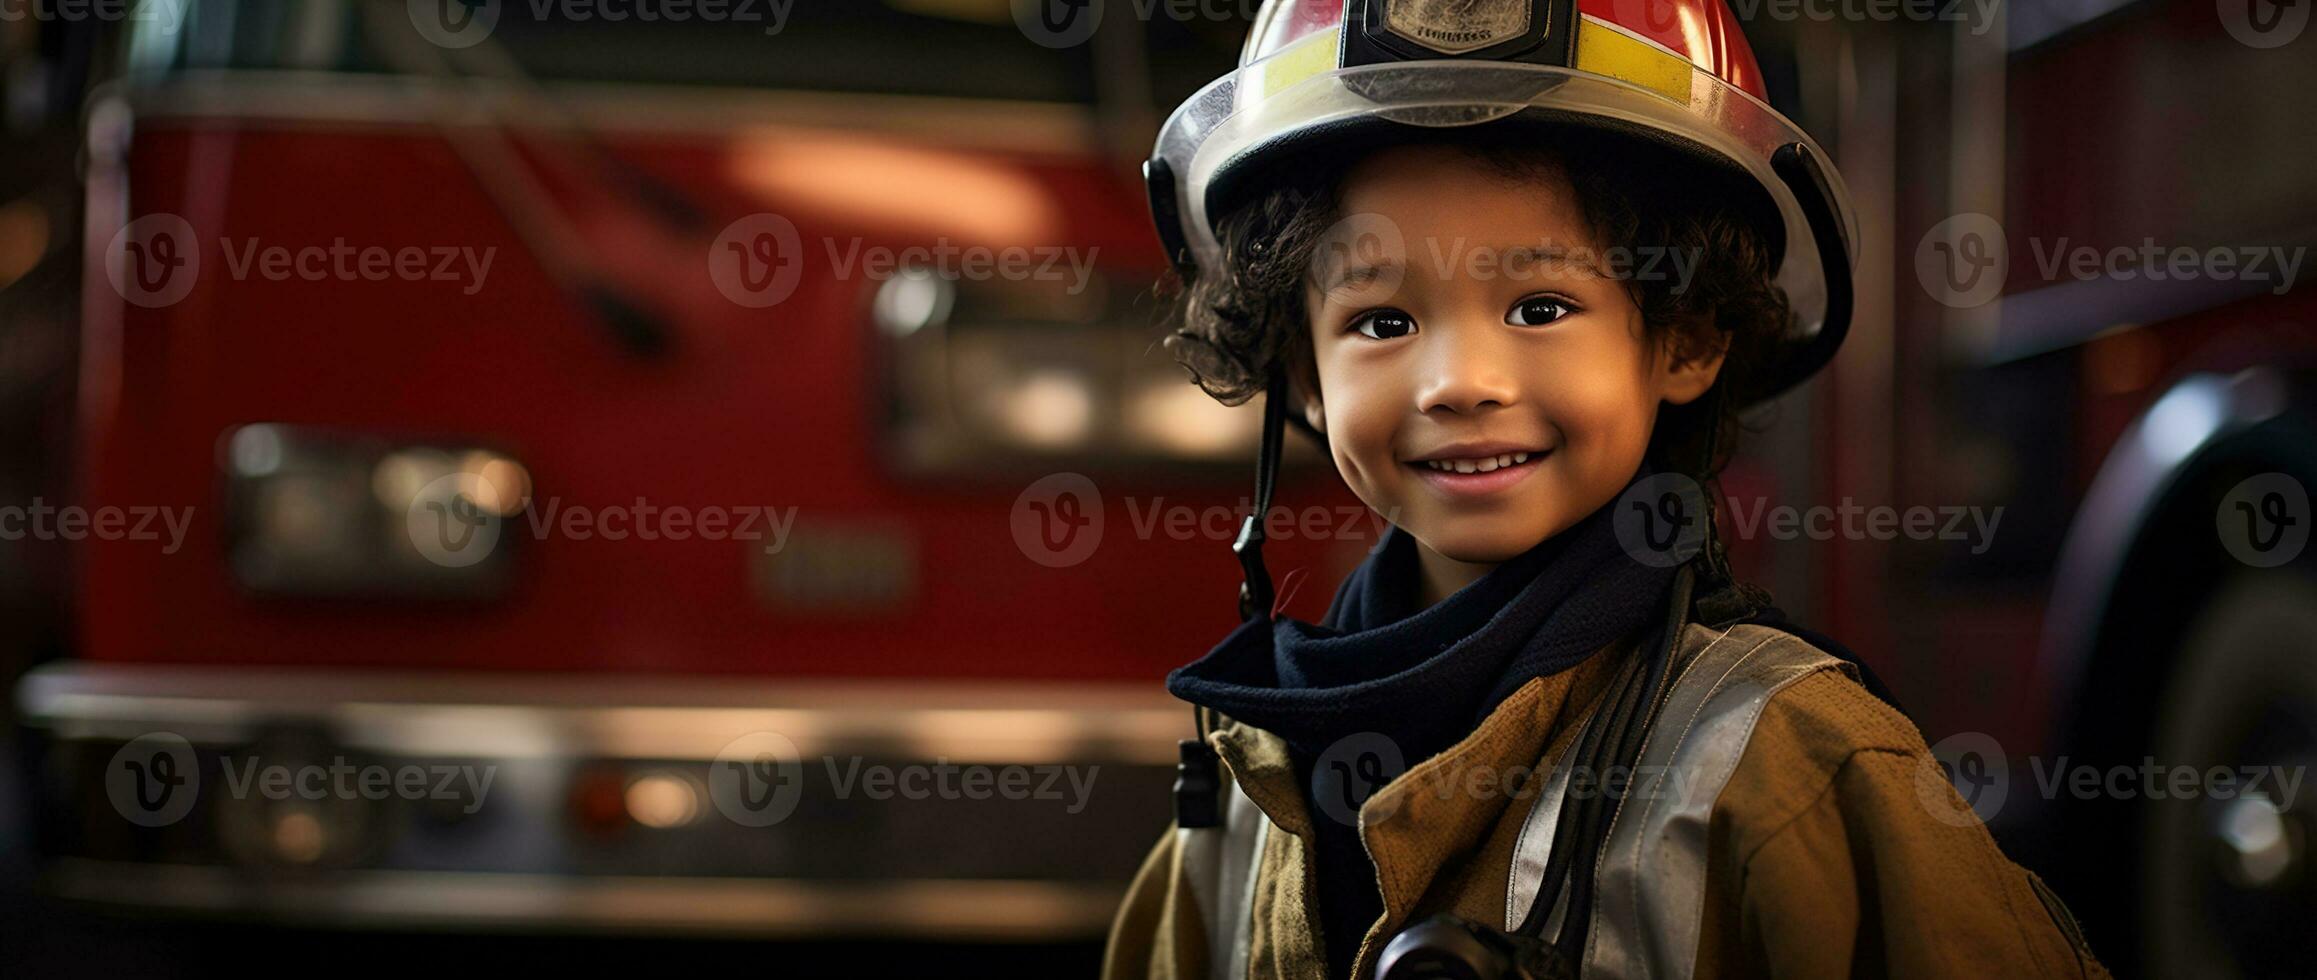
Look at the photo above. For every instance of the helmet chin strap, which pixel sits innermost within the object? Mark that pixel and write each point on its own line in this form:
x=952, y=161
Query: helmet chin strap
x=1198, y=781
x=1255, y=592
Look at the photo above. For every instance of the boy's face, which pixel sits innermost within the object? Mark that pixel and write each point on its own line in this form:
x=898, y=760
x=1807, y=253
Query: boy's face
x=1487, y=331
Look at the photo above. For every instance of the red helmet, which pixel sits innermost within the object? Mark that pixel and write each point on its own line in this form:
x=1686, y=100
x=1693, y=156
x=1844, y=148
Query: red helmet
x=1675, y=72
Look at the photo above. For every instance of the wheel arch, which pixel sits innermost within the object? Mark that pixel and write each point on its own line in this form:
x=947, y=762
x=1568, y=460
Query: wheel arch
x=2146, y=527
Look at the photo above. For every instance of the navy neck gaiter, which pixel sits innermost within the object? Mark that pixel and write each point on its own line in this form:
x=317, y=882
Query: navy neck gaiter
x=1423, y=680
x=1427, y=678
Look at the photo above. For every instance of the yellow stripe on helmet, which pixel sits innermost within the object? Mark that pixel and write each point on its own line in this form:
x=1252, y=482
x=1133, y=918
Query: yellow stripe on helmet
x=1602, y=49
x=1605, y=50
x=1294, y=63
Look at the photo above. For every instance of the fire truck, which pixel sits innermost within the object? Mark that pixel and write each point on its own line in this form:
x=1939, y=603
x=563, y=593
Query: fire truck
x=2144, y=425
x=610, y=430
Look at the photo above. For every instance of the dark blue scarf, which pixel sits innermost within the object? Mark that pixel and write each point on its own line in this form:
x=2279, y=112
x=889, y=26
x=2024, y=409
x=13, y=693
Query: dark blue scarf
x=1422, y=679
x=1427, y=678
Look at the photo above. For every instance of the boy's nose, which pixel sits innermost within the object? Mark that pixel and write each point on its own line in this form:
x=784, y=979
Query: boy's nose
x=1466, y=368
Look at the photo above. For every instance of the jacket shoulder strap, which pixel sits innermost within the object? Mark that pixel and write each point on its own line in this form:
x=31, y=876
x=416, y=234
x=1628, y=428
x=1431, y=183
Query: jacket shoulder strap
x=1650, y=879
x=1219, y=867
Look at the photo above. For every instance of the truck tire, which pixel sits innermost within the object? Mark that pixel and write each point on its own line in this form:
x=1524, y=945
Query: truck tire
x=2226, y=884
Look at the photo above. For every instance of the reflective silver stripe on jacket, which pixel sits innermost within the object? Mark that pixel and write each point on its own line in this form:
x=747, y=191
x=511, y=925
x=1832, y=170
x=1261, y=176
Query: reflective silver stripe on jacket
x=1649, y=889
x=1220, y=865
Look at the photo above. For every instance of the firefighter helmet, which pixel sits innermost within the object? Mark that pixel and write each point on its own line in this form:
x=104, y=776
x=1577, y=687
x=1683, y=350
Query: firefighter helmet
x=1677, y=73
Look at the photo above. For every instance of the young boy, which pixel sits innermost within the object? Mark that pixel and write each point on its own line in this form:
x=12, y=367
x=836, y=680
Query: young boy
x=1519, y=268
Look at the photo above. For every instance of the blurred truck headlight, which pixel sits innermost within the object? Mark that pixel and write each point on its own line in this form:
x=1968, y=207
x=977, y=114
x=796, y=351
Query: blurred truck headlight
x=989, y=373
x=324, y=513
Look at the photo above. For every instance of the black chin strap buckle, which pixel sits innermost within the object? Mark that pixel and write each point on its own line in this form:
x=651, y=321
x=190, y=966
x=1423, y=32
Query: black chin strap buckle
x=1255, y=591
x=1198, y=785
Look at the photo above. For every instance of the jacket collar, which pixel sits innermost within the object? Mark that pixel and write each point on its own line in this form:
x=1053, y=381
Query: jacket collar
x=1444, y=806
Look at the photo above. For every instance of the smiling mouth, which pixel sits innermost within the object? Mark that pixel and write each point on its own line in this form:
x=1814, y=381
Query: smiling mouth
x=1479, y=476
x=1477, y=464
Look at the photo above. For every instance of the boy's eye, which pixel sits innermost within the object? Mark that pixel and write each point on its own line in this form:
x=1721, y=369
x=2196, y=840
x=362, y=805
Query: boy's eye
x=1536, y=311
x=1384, y=324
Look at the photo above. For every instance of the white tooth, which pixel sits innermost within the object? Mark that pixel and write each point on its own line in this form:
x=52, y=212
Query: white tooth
x=1520, y=457
x=1487, y=465
x=1504, y=461
x=1465, y=466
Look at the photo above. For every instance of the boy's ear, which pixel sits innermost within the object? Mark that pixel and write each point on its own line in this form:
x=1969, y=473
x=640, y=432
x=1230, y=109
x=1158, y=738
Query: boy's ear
x=1693, y=356
x=1306, y=391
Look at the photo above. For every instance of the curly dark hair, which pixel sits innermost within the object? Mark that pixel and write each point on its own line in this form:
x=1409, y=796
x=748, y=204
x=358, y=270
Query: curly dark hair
x=1240, y=320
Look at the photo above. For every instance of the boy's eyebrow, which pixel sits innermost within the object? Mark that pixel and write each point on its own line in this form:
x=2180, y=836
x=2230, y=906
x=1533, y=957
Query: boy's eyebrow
x=1581, y=257
x=1359, y=274
x=1353, y=275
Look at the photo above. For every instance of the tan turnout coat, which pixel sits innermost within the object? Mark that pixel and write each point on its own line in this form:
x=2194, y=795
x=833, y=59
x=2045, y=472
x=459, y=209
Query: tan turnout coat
x=1820, y=840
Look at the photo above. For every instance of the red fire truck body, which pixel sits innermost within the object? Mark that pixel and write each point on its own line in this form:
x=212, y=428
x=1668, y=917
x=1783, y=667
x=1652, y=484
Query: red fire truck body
x=812, y=518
